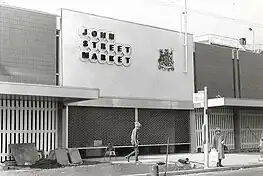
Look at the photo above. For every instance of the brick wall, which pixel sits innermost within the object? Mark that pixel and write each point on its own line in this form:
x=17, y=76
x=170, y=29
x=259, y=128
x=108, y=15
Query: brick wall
x=27, y=46
x=251, y=74
x=214, y=68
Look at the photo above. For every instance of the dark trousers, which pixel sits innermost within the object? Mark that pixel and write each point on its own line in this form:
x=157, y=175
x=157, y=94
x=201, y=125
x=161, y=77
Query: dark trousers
x=135, y=151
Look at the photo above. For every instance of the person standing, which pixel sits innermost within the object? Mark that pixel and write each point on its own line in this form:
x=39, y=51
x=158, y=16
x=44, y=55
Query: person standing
x=135, y=142
x=261, y=146
x=218, y=144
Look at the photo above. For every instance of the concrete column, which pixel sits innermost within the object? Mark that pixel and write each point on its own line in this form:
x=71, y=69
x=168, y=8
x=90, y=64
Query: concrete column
x=192, y=132
x=237, y=126
x=59, y=125
x=62, y=126
x=65, y=127
x=136, y=115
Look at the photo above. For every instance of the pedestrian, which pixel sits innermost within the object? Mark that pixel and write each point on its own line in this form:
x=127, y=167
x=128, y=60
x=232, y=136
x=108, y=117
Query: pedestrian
x=135, y=142
x=261, y=146
x=218, y=144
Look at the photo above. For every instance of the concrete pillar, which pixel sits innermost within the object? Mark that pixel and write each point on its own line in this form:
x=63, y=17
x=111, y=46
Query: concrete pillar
x=237, y=131
x=192, y=132
x=59, y=125
x=62, y=126
x=65, y=127
x=136, y=115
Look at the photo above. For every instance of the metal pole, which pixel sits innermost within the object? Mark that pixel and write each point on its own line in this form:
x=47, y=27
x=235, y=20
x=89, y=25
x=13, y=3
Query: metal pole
x=181, y=23
x=185, y=36
x=167, y=152
x=253, y=32
x=206, y=144
x=253, y=40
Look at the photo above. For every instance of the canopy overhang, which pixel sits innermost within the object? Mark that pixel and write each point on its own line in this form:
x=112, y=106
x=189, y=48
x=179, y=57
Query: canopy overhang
x=234, y=102
x=67, y=94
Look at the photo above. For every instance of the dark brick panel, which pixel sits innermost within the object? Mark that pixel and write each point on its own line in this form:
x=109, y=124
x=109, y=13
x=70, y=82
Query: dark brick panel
x=214, y=69
x=27, y=46
x=251, y=75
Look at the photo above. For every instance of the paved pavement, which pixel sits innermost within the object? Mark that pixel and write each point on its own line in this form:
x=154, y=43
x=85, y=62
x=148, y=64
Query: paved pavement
x=230, y=160
x=120, y=166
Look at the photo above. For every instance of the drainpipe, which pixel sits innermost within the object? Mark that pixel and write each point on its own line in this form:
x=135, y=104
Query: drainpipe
x=181, y=23
x=185, y=37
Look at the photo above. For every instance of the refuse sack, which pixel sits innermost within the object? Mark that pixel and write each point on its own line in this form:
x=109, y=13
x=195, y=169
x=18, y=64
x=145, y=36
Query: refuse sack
x=213, y=158
x=184, y=161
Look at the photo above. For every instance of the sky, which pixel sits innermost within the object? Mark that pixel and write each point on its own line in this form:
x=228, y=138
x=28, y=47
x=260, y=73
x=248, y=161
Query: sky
x=230, y=18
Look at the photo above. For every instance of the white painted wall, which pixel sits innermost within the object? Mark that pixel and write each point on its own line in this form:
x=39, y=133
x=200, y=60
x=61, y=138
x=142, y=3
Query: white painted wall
x=142, y=79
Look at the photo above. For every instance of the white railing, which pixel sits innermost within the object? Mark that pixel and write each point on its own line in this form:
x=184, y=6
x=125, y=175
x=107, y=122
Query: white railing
x=228, y=42
x=27, y=121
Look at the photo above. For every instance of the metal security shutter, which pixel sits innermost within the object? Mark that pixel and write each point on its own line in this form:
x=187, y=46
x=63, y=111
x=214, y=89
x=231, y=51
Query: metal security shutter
x=158, y=125
x=218, y=117
x=27, y=120
x=87, y=124
x=251, y=127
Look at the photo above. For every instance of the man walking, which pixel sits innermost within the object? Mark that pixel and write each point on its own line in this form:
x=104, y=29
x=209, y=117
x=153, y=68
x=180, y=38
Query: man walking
x=261, y=147
x=135, y=142
x=218, y=144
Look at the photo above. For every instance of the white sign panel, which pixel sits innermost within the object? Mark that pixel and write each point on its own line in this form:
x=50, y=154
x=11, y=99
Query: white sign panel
x=199, y=97
x=125, y=60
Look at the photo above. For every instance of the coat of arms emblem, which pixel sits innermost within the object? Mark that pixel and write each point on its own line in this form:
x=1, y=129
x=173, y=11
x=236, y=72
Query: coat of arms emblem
x=165, y=60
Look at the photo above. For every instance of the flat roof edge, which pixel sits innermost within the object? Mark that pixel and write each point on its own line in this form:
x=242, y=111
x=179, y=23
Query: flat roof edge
x=7, y=88
x=236, y=102
x=244, y=102
x=137, y=103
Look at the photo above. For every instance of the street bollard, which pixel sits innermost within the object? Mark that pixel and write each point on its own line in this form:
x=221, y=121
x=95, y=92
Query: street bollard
x=154, y=170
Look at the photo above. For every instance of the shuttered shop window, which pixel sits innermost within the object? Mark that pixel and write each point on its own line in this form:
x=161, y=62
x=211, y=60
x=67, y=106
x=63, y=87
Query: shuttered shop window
x=158, y=125
x=87, y=124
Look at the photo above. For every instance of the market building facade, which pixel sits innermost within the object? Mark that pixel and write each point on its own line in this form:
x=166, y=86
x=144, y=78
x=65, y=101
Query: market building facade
x=78, y=80
x=50, y=64
x=142, y=74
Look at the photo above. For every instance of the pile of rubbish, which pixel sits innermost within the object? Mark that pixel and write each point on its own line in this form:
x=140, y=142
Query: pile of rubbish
x=186, y=164
x=46, y=164
x=181, y=164
x=26, y=155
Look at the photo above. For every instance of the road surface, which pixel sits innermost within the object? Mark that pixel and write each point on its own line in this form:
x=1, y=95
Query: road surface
x=245, y=172
x=117, y=171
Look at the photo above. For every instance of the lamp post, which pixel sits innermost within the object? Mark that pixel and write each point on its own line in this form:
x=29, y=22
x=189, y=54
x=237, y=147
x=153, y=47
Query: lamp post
x=253, y=32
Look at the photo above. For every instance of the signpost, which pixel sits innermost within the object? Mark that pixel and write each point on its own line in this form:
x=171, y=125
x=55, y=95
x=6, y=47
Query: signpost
x=205, y=130
x=201, y=98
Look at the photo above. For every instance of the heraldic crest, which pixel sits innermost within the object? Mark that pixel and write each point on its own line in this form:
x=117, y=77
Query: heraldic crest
x=165, y=60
